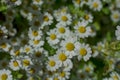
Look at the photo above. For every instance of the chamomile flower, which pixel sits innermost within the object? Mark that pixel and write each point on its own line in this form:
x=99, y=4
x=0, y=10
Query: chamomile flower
x=15, y=64
x=26, y=49
x=5, y=46
x=83, y=51
x=35, y=21
x=114, y=76
x=115, y=16
x=34, y=33
x=26, y=62
x=47, y=19
x=117, y=33
x=64, y=18
x=3, y=32
x=5, y=75
x=63, y=75
x=62, y=57
x=38, y=2
x=52, y=38
x=16, y=2
x=52, y=64
x=15, y=52
x=78, y=3
x=82, y=30
x=96, y=5
x=36, y=43
x=69, y=46
x=62, y=30
x=82, y=75
x=89, y=68
x=88, y=18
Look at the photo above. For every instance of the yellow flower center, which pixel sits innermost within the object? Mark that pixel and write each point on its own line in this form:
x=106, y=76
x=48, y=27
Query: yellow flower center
x=62, y=57
x=53, y=36
x=27, y=49
x=1, y=33
x=38, y=54
x=52, y=63
x=95, y=5
x=78, y=1
x=13, y=0
x=83, y=51
x=64, y=18
x=56, y=78
x=86, y=17
x=37, y=23
x=17, y=52
x=82, y=29
x=32, y=70
x=26, y=62
x=62, y=74
x=70, y=46
x=35, y=33
x=37, y=0
x=61, y=30
x=3, y=45
x=36, y=42
x=15, y=63
x=87, y=69
x=115, y=77
x=46, y=18
x=34, y=7
x=4, y=77
x=116, y=16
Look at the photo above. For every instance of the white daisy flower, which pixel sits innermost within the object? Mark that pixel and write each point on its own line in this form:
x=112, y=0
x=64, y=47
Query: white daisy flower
x=63, y=75
x=52, y=64
x=5, y=75
x=26, y=49
x=89, y=68
x=47, y=19
x=82, y=75
x=88, y=18
x=16, y=2
x=26, y=62
x=114, y=76
x=96, y=5
x=78, y=3
x=52, y=38
x=64, y=18
x=35, y=21
x=12, y=32
x=34, y=34
x=69, y=46
x=117, y=33
x=38, y=2
x=82, y=30
x=3, y=31
x=5, y=46
x=83, y=51
x=15, y=52
x=115, y=16
x=36, y=43
x=62, y=30
x=62, y=57
x=15, y=64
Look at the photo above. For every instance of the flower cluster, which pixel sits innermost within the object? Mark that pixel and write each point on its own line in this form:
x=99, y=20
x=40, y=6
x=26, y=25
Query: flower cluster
x=59, y=40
